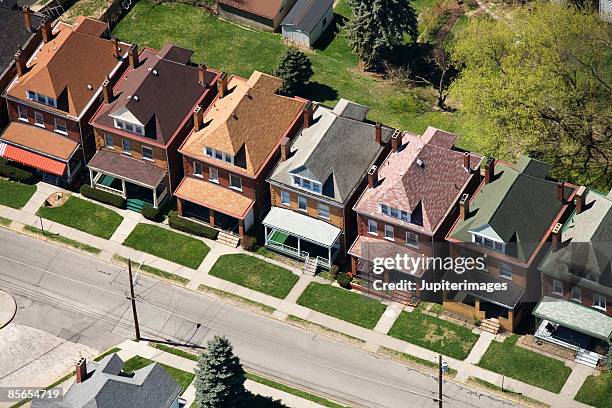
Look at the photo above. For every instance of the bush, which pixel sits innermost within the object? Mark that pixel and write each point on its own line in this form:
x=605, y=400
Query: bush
x=151, y=213
x=344, y=280
x=14, y=173
x=179, y=223
x=102, y=196
x=333, y=271
x=248, y=242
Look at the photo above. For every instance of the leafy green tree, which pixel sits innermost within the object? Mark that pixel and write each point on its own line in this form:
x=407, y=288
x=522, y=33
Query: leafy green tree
x=540, y=85
x=295, y=69
x=220, y=377
x=379, y=27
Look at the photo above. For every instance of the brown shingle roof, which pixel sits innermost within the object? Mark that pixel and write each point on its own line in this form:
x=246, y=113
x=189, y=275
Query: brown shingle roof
x=64, y=67
x=247, y=117
x=128, y=168
x=39, y=140
x=265, y=8
x=214, y=196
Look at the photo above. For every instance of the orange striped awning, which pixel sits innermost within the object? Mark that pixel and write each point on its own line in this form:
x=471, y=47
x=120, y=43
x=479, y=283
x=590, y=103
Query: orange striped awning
x=28, y=158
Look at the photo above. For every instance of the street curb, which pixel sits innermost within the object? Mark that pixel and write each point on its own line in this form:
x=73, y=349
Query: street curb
x=8, y=312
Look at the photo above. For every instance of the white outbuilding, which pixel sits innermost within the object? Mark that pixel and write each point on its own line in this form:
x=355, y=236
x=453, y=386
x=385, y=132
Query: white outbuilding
x=307, y=21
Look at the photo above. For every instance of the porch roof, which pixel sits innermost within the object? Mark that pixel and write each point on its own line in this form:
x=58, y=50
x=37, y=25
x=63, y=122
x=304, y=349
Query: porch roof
x=126, y=168
x=303, y=226
x=505, y=298
x=39, y=140
x=369, y=248
x=575, y=316
x=215, y=197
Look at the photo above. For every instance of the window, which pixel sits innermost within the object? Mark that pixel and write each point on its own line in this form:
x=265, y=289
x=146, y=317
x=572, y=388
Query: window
x=372, y=227
x=31, y=95
x=108, y=141
x=285, y=197
x=412, y=239
x=557, y=287
x=60, y=126
x=599, y=301
x=209, y=151
x=39, y=119
x=505, y=271
x=389, y=233
x=323, y=211
x=302, y=203
x=307, y=184
x=147, y=153
x=130, y=127
x=235, y=182
x=23, y=113
x=219, y=155
x=488, y=243
x=126, y=146
x=34, y=96
x=395, y=212
x=576, y=294
x=213, y=175
x=197, y=169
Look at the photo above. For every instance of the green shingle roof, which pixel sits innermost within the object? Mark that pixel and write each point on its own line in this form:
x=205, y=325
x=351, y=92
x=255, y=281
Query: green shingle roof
x=575, y=316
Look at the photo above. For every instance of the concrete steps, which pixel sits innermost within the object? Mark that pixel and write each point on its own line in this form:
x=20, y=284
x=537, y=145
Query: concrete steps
x=228, y=239
x=490, y=326
x=587, y=358
x=310, y=267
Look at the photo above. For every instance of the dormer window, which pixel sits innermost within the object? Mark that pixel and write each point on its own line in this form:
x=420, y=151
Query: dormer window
x=219, y=155
x=306, y=184
x=489, y=243
x=130, y=127
x=395, y=212
x=45, y=100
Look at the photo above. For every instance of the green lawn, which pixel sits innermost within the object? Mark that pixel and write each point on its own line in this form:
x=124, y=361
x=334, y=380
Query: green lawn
x=15, y=195
x=524, y=365
x=433, y=333
x=237, y=50
x=63, y=240
x=155, y=271
x=349, y=306
x=596, y=391
x=175, y=247
x=85, y=216
x=183, y=378
x=255, y=274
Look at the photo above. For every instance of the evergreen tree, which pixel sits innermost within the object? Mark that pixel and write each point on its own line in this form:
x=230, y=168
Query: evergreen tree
x=378, y=27
x=220, y=377
x=295, y=69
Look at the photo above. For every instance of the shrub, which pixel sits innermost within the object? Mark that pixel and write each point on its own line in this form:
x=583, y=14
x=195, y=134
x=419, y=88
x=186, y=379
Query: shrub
x=179, y=223
x=248, y=243
x=14, y=173
x=102, y=196
x=333, y=271
x=151, y=213
x=344, y=280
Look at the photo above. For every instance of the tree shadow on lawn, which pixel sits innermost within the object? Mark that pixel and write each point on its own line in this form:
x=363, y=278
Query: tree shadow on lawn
x=316, y=91
x=330, y=34
x=259, y=401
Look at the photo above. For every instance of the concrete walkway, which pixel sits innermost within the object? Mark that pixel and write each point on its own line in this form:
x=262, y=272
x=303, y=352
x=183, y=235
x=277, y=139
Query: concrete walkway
x=8, y=308
x=579, y=374
x=389, y=317
x=481, y=346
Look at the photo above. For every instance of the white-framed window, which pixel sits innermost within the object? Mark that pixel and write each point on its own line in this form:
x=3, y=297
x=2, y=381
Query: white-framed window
x=505, y=270
x=130, y=127
x=213, y=174
x=235, y=182
x=285, y=197
x=412, y=239
x=557, y=287
x=372, y=227
x=395, y=212
x=489, y=243
x=576, y=294
x=599, y=301
x=108, y=141
x=219, y=155
x=389, y=232
x=126, y=146
x=197, y=169
x=302, y=203
x=23, y=113
x=35, y=96
x=323, y=211
x=147, y=153
x=60, y=126
x=306, y=184
x=39, y=119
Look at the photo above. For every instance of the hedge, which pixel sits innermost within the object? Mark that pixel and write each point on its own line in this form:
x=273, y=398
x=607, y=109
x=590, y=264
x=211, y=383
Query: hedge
x=179, y=223
x=14, y=173
x=102, y=196
x=151, y=213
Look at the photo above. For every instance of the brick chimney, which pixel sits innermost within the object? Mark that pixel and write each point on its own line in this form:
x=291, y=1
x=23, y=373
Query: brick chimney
x=116, y=49
x=489, y=170
x=396, y=141
x=372, y=177
x=107, y=90
x=47, y=31
x=285, y=151
x=466, y=161
x=133, y=56
x=307, y=114
x=27, y=18
x=202, y=75
x=561, y=191
x=556, y=237
x=198, y=116
x=580, y=199
x=464, y=207
x=20, y=63
x=378, y=133
x=222, y=85
x=81, y=370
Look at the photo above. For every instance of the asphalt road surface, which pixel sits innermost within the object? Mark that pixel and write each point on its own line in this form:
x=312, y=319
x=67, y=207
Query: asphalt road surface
x=83, y=299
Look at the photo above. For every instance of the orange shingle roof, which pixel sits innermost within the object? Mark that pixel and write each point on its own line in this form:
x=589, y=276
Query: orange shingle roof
x=214, y=196
x=40, y=140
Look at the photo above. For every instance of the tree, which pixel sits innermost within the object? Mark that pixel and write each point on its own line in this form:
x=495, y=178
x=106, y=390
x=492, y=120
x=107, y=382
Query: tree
x=378, y=28
x=295, y=69
x=220, y=377
x=541, y=86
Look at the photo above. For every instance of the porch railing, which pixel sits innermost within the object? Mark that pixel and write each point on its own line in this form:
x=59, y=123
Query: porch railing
x=109, y=189
x=324, y=262
x=288, y=249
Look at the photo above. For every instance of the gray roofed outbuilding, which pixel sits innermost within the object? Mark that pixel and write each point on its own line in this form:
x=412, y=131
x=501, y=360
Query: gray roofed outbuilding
x=306, y=14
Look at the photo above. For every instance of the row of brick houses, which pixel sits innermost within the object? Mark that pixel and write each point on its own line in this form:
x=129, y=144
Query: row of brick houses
x=321, y=184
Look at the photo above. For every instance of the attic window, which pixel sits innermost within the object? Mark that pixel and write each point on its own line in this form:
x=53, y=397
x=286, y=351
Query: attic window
x=307, y=184
x=395, y=212
x=130, y=127
x=35, y=96
x=489, y=243
x=219, y=155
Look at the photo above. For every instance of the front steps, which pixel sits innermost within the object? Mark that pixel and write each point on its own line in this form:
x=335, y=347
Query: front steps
x=490, y=326
x=228, y=239
x=587, y=358
x=310, y=267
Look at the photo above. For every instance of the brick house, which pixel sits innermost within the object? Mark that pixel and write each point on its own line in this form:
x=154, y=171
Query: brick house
x=138, y=133
x=55, y=94
x=508, y=221
x=410, y=204
x=231, y=150
x=319, y=178
x=260, y=14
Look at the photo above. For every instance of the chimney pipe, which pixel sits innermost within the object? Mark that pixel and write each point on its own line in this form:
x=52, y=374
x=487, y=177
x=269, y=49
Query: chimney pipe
x=27, y=17
x=464, y=207
x=198, y=116
x=466, y=161
x=489, y=170
x=20, y=63
x=133, y=56
x=107, y=90
x=396, y=141
x=378, y=133
x=561, y=191
x=81, y=370
x=372, y=177
x=202, y=74
x=556, y=237
x=284, y=149
x=222, y=85
x=580, y=199
x=116, y=49
x=47, y=32
x=308, y=115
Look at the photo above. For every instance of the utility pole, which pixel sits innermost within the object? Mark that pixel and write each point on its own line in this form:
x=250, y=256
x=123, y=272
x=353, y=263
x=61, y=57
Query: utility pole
x=133, y=298
x=440, y=382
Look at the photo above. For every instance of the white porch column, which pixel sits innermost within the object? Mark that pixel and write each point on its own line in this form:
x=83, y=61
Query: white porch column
x=266, y=234
x=299, y=246
x=91, y=178
x=329, y=255
x=123, y=188
x=154, y=198
x=68, y=168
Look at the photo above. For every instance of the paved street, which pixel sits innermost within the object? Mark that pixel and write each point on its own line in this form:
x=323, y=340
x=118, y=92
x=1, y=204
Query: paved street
x=83, y=299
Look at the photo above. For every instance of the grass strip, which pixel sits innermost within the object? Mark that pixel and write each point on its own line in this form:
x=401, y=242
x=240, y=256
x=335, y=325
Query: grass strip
x=62, y=240
x=106, y=353
x=507, y=393
x=5, y=221
x=235, y=299
x=324, y=330
x=175, y=351
x=414, y=361
x=155, y=271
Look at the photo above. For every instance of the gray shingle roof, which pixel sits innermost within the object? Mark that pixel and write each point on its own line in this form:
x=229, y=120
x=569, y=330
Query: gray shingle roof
x=13, y=32
x=336, y=151
x=306, y=14
x=107, y=387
